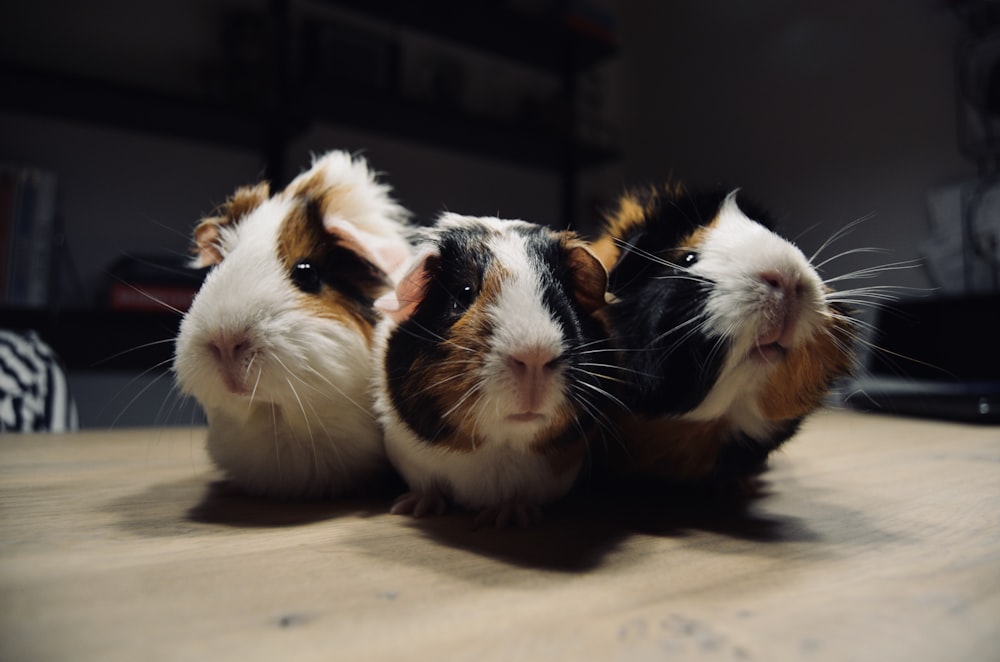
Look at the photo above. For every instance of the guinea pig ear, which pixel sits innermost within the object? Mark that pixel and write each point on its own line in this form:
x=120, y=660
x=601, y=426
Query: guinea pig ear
x=411, y=289
x=388, y=254
x=590, y=278
x=206, y=243
x=206, y=234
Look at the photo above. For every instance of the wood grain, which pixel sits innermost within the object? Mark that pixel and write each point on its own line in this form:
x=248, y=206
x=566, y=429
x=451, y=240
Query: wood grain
x=876, y=538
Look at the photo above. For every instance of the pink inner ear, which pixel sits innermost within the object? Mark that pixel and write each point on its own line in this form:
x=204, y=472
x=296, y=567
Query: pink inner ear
x=385, y=253
x=400, y=304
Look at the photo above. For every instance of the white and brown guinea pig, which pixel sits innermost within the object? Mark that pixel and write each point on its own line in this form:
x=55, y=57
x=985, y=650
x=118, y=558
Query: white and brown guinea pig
x=489, y=375
x=728, y=336
x=277, y=344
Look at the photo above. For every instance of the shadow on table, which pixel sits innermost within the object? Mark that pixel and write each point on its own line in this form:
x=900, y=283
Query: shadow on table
x=177, y=507
x=579, y=532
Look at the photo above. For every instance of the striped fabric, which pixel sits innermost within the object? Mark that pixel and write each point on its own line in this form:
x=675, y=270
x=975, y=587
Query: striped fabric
x=34, y=396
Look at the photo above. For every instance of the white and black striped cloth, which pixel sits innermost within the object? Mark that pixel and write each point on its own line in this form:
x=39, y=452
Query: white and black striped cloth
x=34, y=396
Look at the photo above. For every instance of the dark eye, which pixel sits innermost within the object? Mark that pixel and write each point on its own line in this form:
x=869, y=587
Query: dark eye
x=689, y=259
x=463, y=297
x=306, y=277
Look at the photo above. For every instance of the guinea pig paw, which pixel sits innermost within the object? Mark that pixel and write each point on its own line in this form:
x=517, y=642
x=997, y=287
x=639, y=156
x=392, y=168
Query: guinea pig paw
x=419, y=504
x=524, y=515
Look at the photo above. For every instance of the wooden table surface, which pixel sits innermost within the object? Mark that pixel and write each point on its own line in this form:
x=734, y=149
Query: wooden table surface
x=877, y=538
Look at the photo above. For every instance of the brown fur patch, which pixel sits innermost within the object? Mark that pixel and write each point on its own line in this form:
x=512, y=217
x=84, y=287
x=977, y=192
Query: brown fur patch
x=467, y=346
x=303, y=237
x=565, y=450
x=206, y=235
x=799, y=383
x=311, y=186
x=671, y=448
x=590, y=276
x=697, y=238
x=629, y=214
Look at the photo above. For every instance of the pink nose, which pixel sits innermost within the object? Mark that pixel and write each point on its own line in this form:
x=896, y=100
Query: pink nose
x=232, y=352
x=531, y=361
x=229, y=349
x=533, y=372
x=790, y=286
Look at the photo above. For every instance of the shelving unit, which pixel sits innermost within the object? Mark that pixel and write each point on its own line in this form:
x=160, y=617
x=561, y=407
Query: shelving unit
x=548, y=45
x=557, y=44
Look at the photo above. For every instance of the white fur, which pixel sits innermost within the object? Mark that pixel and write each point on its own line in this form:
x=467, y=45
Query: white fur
x=366, y=203
x=734, y=254
x=305, y=428
x=520, y=322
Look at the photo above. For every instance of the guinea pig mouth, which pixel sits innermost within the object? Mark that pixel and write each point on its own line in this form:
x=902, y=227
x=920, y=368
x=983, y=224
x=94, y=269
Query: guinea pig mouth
x=769, y=353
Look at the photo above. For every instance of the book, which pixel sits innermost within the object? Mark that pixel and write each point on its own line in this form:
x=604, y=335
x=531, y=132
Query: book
x=27, y=229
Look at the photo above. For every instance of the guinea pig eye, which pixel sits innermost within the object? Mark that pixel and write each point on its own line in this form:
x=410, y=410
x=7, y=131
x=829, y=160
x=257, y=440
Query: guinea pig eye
x=306, y=277
x=463, y=297
x=689, y=259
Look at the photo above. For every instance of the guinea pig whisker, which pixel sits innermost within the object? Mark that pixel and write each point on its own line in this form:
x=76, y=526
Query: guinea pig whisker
x=305, y=418
x=592, y=343
x=851, y=251
x=874, y=271
x=699, y=324
x=142, y=391
x=840, y=234
x=325, y=380
x=601, y=391
x=434, y=336
x=274, y=430
x=621, y=243
x=611, y=366
x=687, y=277
x=882, y=292
x=434, y=385
x=334, y=449
x=134, y=349
x=256, y=383
x=855, y=324
x=599, y=376
x=148, y=295
x=340, y=391
x=469, y=393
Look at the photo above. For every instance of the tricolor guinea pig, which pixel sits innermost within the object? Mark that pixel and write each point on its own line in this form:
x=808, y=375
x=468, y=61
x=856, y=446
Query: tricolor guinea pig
x=727, y=335
x=489, y=378
x=277, y=344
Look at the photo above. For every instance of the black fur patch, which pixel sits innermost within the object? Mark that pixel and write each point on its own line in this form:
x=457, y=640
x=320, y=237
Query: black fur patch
x=418, y=344
x=671, y=366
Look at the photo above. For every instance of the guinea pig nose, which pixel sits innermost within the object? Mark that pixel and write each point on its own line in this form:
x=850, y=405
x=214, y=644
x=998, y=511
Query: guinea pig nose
x=774, y=279
x=532, y=360
x=790, y=286
x=230, y=349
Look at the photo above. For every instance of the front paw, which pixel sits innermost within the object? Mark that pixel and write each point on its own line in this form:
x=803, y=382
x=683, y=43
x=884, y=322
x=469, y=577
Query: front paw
x=419, y=504
x=523, y=515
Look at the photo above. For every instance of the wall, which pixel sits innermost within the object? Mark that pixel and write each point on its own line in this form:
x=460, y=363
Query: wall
x=825, y=111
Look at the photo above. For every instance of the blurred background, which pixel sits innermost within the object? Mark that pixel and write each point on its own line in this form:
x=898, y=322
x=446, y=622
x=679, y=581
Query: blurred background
x=122, y=123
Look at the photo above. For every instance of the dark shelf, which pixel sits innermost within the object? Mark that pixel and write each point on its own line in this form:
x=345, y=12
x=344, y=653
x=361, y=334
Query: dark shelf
x=97, y=101
x=452, y=128
x=555, y=42
x=106, y=103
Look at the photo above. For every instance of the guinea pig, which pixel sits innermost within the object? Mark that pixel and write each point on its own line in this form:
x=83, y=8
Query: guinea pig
x=277, y=343
x=490, y=376
x=727, y=335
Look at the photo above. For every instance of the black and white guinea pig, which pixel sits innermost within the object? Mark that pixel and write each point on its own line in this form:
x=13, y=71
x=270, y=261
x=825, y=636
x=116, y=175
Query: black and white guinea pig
x=277, y=344
x=727, y=335
x=488, y=382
